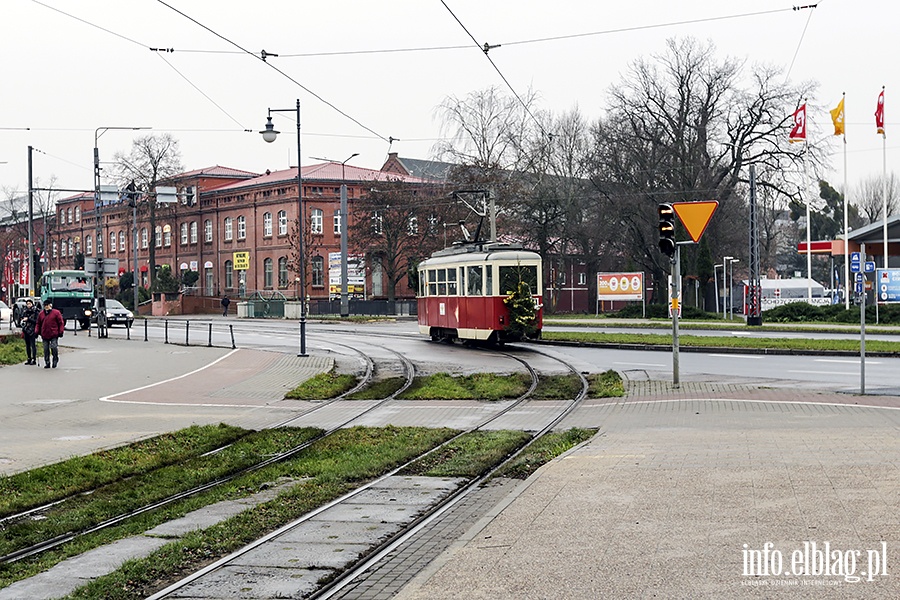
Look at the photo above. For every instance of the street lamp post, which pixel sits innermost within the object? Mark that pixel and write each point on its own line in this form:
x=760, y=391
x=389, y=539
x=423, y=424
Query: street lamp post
x=730, y=287
x=269, y=134
x=98, y=229
x=725, y=260
x=345, y=298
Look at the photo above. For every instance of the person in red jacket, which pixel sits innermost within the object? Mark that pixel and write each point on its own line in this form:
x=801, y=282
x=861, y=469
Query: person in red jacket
x=50, y=326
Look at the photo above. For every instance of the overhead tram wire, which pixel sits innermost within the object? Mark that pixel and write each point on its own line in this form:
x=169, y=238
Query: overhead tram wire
x=800, y=41
x=279, y=71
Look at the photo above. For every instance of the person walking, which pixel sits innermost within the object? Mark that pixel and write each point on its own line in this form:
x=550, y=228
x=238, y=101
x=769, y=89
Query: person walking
x=225, y=302
x=29, y=330
x=50, y=326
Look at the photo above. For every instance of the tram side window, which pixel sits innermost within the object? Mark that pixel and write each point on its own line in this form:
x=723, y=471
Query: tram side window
x=489, y=280
x=462, y=281
x=422, y=282
x=432, y=282
x=475, y=281
x=451, y=282
x=442, y=282
x=511, y=276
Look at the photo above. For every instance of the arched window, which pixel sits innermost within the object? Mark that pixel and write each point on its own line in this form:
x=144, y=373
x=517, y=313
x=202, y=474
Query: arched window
x=267, y=224
x=71, y=248
x=157, y=236
x=184, y=234
x=241, y=227
x=282, y=272
x=229, y=274
x=112, y=241
x=77, y=214
x=318, y=271
x=316, y=218
x=282, y=222
x=207, y=230
x=121, y=241
x=167, y=235
x=55, y=249
x=267, y=273
x=69, y=215
x=144, y=238
x=193, y=232
x=229, y=232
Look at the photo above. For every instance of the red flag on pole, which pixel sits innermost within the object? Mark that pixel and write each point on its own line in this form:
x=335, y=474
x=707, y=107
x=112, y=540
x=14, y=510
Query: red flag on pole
x=879, y=113
x=798, y=133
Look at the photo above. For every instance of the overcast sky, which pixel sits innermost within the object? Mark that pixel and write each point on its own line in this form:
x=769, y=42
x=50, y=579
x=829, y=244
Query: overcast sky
x=66, y=75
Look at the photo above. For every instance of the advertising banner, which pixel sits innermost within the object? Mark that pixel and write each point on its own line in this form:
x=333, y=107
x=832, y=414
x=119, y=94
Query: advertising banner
x=620, y=286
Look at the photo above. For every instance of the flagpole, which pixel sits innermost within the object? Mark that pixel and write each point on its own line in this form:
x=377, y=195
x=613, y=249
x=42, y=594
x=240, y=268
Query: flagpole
x=884, y=189
x=846, y=227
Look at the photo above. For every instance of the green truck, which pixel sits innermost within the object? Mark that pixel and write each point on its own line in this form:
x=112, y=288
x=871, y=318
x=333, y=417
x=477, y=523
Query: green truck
x=71, y=292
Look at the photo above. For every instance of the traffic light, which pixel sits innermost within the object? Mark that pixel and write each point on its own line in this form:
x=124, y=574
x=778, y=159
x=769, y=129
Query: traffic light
x=666, y=229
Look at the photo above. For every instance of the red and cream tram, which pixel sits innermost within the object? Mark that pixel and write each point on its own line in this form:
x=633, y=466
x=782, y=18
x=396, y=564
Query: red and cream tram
x=462, y=289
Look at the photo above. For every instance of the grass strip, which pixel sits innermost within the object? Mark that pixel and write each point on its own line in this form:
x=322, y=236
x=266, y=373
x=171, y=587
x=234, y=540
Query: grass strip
x=322, y=387
x=469, y=455
x=334, y=466
x=807, y=344
x=50, y=483
x=542, y=451
x=83, y=511
x=608, y=384
x=557, y=387
x=479, y=386
x=379, y=389
x=12, y=350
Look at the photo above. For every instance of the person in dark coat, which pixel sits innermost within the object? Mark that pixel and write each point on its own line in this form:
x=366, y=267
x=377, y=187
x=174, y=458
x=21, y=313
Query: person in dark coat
x=225, y=302
x=29, y=330
x=50, y=326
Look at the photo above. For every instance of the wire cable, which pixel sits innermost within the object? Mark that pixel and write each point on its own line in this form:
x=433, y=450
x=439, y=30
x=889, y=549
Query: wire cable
x=202, y=93
x=802, y=35
x=279, y=71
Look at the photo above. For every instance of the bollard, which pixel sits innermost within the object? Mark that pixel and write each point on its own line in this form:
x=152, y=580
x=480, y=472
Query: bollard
x=209, y=345
x=145, y=330
x=167, y=331
x=187, y=331
x=127, y=329
x=231, y=329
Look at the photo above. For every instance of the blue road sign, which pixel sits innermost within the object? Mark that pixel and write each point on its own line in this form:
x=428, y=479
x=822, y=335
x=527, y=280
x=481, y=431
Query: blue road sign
x=870, y=266
x=887, y=282
x=859, y=288
x=856, y=257
x=859, y=277
x=855, y=267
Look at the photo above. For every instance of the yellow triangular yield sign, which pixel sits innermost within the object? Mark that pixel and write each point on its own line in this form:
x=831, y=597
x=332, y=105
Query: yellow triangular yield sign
x=695, y=216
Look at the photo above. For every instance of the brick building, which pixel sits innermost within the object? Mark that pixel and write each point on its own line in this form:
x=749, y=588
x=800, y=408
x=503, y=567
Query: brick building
x=222, y=211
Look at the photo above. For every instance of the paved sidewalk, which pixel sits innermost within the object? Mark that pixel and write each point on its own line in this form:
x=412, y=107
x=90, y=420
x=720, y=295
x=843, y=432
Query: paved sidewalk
x=109, y=392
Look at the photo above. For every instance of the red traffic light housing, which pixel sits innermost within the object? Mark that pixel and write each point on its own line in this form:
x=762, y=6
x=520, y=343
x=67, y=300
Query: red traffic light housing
x=667, y=244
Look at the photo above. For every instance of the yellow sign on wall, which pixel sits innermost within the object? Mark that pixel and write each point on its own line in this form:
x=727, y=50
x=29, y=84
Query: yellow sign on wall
x=241, y=261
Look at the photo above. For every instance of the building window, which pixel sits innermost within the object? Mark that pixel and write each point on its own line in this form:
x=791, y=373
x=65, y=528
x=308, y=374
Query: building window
x=582, y=278
x=267, y=224
x=377, y=223
x=99, y=245
x=167, y=235
x=157, y=237
x=69, y=215
x=412, y=226
x=184, y=234
x=229, y=274
x=316, y=220
x=77, y=214
x=88, y=246
x=282, y=222
x=121, y=241
x=207, y=230
x=337, y=222
x=282, y=272
x=72, y=252
x=144, y=238
x=267, y=273
x=112, y=242
x=55, y=249
x=229, y=231
x=241, y=227
x=193, y=232
x=318, y=271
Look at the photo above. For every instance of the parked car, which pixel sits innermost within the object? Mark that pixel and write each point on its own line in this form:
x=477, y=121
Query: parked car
x=115, y=313
x=5, y=314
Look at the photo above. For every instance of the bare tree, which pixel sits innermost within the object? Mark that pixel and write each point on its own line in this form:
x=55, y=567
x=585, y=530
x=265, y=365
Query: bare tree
x=868, y=197
x=683, y=126
x=153, y=159
x=396, y=226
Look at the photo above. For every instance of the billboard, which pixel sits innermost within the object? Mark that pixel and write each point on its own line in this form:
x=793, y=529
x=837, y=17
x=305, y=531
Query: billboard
x=620, y=286
x=887, y=283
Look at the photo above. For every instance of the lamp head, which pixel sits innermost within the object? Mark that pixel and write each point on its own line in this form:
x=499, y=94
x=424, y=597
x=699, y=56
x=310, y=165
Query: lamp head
x=269, y=133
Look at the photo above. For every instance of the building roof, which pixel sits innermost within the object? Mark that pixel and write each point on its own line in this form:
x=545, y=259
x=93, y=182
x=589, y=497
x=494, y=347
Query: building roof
x=321, y=173
x=424, y=168
x=217, y=171
x=874, y=232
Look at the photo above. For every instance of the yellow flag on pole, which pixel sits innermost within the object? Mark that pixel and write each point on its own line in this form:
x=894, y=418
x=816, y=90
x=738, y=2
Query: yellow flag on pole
x=837, y=115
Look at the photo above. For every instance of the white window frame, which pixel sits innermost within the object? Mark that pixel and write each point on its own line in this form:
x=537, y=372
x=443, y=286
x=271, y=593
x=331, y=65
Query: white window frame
x=229, y=229
x=241, y=227
x=267, y=224
x=316, y=217
x=282, y=222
